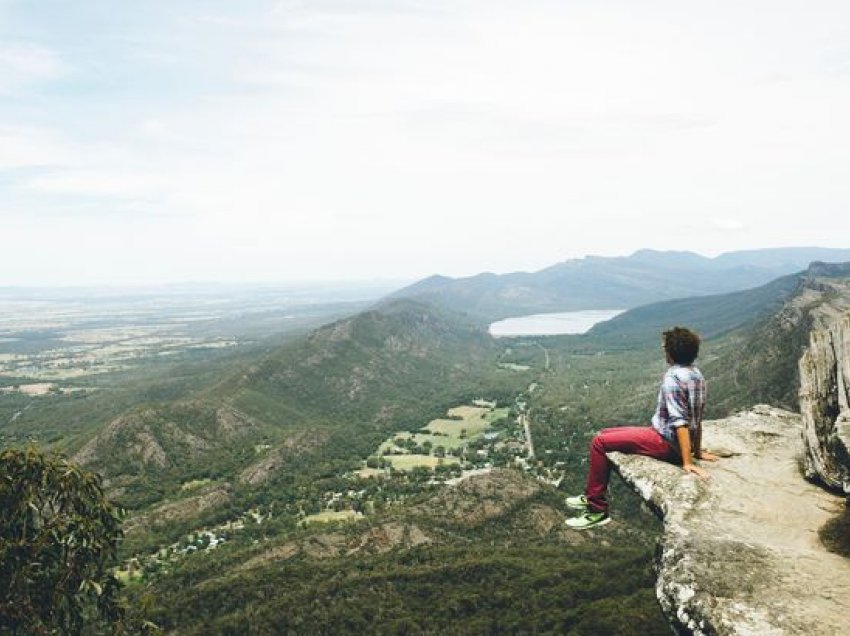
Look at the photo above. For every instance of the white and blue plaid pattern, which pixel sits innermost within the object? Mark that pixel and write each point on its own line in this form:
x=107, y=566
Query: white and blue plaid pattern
x=681, y=401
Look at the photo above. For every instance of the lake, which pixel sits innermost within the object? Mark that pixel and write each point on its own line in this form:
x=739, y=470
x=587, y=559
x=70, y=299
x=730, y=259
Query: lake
x=552, y=324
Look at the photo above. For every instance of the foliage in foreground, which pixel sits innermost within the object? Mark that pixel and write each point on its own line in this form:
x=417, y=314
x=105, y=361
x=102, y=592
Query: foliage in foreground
x=58, y=540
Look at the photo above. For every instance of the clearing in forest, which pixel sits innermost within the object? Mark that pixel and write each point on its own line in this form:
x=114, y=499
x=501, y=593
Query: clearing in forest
x=463, y=424
x=409, y=462
x=328, y=516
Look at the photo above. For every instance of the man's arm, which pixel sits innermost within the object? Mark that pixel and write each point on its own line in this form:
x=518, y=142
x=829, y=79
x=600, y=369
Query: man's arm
x=699, y=451
x=683, y=436
x=680, y=412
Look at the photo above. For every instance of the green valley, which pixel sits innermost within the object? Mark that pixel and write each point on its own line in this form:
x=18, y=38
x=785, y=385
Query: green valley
x=398, y=470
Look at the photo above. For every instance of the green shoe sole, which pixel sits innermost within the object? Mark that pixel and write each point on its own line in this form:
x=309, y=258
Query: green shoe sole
x=588, y=520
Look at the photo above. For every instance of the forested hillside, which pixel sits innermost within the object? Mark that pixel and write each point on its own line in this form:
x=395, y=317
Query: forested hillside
x=491, y=555
x=314, y=407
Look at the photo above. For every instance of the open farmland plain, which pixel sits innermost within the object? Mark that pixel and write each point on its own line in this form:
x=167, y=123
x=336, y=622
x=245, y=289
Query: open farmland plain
x=71, y=359
x=57, y=335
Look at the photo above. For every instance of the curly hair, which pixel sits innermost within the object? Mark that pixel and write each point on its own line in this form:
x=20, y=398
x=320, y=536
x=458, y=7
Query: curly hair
x=681, y=344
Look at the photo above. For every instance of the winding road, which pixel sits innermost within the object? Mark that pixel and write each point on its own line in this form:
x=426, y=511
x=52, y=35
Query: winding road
x=528, y=442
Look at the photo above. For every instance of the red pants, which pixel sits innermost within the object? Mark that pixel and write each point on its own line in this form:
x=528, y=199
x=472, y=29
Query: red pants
x=637, y=440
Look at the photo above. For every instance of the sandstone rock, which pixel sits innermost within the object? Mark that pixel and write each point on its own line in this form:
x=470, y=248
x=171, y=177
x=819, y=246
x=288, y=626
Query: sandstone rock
x=825, y=391
x=388, y=536
x=299, y=442
x=373, y=540
x=740, y=553
x=231, y=421
x=181, y=510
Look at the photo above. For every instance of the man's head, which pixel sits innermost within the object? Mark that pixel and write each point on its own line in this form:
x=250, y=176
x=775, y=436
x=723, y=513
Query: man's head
x=681, y=345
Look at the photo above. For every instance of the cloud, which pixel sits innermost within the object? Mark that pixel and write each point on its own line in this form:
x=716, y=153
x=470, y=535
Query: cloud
x=726, y=224
x=328, y=136
x=97, y=184
x=24, y=64
x=28, y=147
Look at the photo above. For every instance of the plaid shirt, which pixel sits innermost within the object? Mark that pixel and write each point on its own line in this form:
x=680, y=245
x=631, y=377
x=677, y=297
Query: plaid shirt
x=681, y=401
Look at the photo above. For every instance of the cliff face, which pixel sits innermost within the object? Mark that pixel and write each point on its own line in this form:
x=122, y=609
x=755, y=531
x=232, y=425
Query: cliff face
x=740, y=553
x=825, y=388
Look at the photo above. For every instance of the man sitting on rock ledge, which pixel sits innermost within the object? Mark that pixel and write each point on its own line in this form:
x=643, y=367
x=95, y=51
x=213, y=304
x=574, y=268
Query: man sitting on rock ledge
x=676, y=430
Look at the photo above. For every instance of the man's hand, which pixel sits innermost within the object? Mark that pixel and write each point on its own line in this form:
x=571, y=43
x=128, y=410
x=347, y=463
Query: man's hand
x=696, y=470
x=709, y=457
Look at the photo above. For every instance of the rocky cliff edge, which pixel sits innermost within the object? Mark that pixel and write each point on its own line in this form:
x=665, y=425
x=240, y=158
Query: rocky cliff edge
x=825, y=385
x=741, y=553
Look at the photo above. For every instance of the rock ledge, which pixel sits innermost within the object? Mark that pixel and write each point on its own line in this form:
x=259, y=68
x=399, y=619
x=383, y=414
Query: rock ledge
x=741, y=554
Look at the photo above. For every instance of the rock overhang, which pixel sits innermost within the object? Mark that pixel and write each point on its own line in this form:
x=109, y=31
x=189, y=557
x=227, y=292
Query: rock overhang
x=740, y=553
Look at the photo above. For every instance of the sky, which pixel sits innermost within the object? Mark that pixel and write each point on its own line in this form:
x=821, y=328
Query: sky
x=281, y=141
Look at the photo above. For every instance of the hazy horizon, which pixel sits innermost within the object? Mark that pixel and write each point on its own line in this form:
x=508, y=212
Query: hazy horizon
x=277, y=141
x=388, y=284
x=197, y=285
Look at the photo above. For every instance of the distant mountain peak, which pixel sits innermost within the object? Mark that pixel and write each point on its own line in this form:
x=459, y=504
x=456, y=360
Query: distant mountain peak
x=667, y=255
x=435, y=278
x=828, y=270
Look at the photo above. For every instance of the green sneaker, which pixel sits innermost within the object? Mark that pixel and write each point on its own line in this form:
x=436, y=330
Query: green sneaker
x=579, y=502
x=588, y=520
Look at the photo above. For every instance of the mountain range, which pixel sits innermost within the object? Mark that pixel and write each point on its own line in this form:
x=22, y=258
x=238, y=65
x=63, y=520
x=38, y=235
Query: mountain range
x=596, y=282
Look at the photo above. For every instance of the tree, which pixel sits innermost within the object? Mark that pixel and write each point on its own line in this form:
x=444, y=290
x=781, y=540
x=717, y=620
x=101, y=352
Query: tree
x=58, y=542
x=373, y=461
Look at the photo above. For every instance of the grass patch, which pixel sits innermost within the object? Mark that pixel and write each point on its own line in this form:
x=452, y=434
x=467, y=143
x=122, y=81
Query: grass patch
x=409, y=462
x=469, y=423
x=194, y=484
x=514, y=367
x=497, y=414
x=329, y=516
